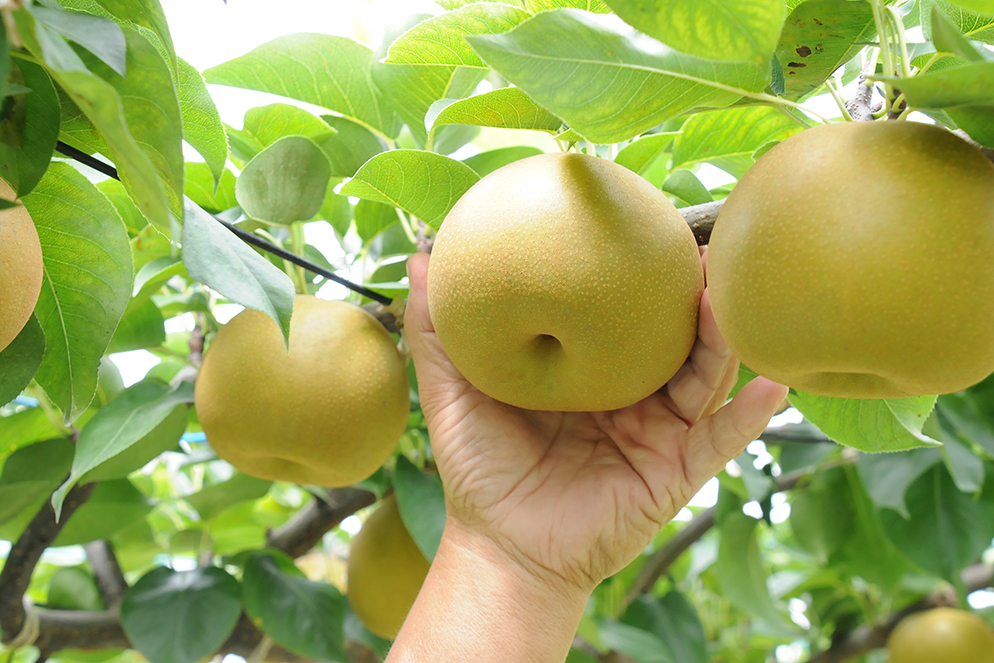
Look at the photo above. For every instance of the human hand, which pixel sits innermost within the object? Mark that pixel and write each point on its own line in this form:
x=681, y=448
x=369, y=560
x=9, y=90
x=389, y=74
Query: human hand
x=574, y=497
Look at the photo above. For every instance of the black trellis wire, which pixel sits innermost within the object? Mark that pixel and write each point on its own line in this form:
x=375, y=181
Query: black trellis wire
x=247, y=237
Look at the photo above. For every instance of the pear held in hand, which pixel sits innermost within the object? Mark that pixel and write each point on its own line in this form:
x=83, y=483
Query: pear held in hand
x=20, y=268
x=329, y=413
x=857, y=260
x=565, y=282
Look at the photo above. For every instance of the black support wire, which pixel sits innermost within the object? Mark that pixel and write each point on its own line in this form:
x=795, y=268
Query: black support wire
x=247, y=237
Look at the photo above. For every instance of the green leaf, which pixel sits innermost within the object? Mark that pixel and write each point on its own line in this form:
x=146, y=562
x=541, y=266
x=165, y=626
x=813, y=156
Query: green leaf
x=456, y=4
x=607, y=81
x=118, y=425
x=716, y=29
x=100, y=36
x=739, y=572
x=31, y=473
x=133, y=219
x=217, y=258
x=818, y=37
x=869, y=425
x=202, y=126
x=302, y=616
x=112, y=506
x=411, y=90
x=687, y=189
x=284, y=183
x=203, y=607
x=141, y=327
x=966, y=468
x=239, y=488
x=729, y=138
x=820, y=520
x=422, y=505
x=966, y=93
x=372, y=218
x=199, y=184
x=641, y=646
x=20, y=360
x=962, y=413
x=640, y=155
x=73, y=588
x=331, y=72
x=4, y=61
x=887, y=476
x=423, y=184
x=948, y=39
x=674, y=619
x=442, y=40
x=868, y=552
x=981, y=6
x=29, y=127
x=487, y=162
x=947, y=529
x=27, y=427
x=86, y=283
x=110, y=114
x=146, y=14
x=504, y=108
x=152, y=112
x=164, y=437
x=978, y=26
x=535, y=6
x=264, y=125
x=349, y=148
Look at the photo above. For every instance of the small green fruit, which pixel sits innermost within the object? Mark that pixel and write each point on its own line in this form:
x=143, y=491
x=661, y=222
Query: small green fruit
x=855, y=260
x=942, y=635
x=328, y=414
x=20, y=268
x=385, y=571
x=565, y=282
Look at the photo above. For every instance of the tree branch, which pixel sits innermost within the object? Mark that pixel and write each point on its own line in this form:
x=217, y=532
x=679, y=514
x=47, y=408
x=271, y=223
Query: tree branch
x=659, y=564
x=874, y=636
x=107, y=571
x=78, y=629
x=304, y=530
x=23, y=557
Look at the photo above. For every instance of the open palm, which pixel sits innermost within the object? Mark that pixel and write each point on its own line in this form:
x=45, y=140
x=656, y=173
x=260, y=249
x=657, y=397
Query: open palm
x=579, y=495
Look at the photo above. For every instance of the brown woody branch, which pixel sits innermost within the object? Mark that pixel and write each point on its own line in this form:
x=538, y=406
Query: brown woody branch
x=305, y=530
x=874, y=636
x=107, y=571
x=24, y=555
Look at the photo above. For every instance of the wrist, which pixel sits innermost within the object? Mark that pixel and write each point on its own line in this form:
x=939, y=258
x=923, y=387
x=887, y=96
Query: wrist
x=480, y=604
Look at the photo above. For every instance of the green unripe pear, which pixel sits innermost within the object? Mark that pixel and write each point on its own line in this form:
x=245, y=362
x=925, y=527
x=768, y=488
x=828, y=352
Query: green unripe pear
x=857, y=260
x=385, y=571
x=20, y=268
x=565, y=282
x=943, y=635
x=329, y=413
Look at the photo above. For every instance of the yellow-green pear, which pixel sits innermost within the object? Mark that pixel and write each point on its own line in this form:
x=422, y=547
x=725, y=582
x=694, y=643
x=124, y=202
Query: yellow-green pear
x=942, y=635
x=20, y=268
x=857, y=260
x=565, y=282
x=385, y=571
x=329, y=413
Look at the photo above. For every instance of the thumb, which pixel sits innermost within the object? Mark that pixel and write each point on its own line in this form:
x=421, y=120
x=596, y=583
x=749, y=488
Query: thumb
x=432, y=365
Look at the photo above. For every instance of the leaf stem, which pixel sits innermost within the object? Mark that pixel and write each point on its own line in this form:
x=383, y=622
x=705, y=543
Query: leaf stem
x=297, y=238
x=405, y=223
x=883, y=36
x=901, y=40
x=928, y=65
x=838, y=100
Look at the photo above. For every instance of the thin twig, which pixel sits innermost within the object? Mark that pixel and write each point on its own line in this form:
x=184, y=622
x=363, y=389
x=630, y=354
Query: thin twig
x=107, y=571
